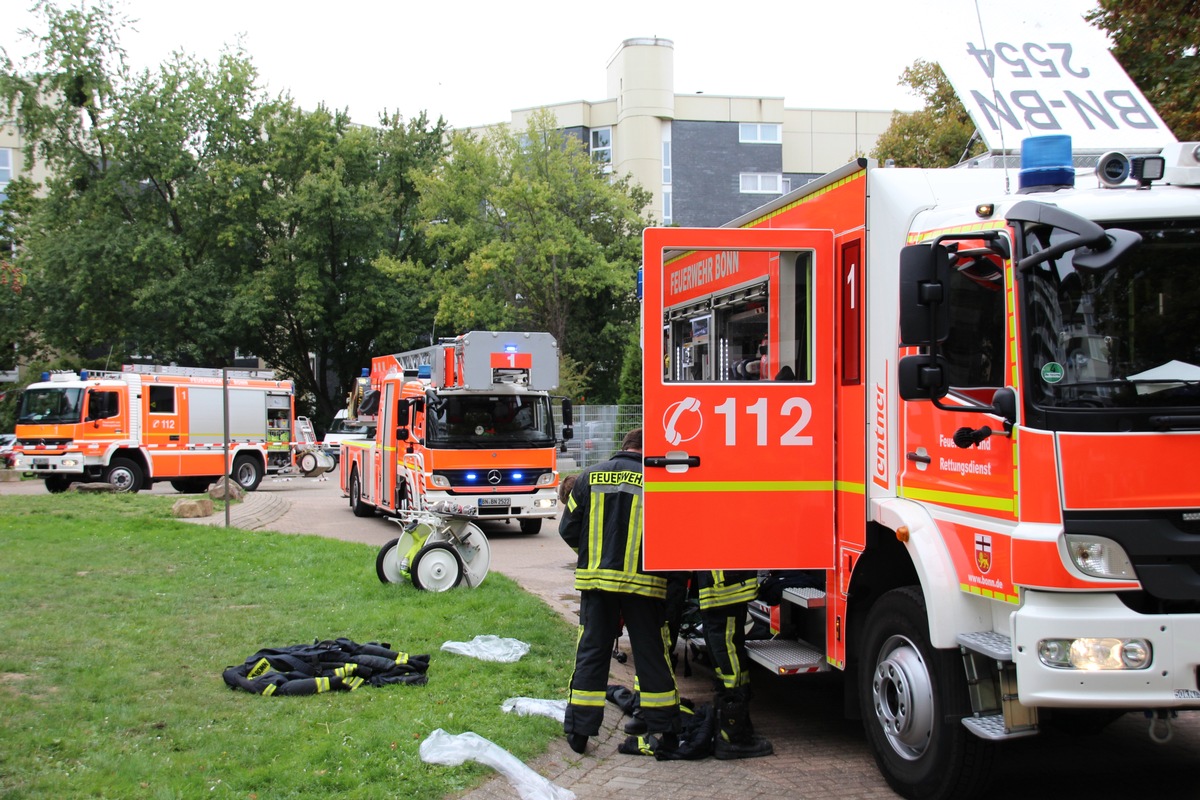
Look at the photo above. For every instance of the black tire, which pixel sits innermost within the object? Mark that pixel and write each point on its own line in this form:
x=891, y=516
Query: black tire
x=125, y=476
x=191, y=485
x=531, y=526
x=436, y=568
x=57, y=484
x=913, y=698
x=387, y=563
x=248, y=472
x=357, y=505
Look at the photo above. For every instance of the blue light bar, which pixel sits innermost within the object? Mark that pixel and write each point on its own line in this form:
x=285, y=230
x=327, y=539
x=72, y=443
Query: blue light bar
x=510, y=348
x=424, y=371
x=1046, y=164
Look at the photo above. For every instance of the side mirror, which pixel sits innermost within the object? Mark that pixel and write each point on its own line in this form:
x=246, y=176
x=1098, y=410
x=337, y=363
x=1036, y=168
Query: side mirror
x=402, y=434
x=924, y=288
x=568, y=419
x=1004, y=401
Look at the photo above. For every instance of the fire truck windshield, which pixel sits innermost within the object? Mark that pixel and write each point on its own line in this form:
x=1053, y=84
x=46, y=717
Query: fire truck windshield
x=49, y=406
x=1125, y=337
x=491, y=420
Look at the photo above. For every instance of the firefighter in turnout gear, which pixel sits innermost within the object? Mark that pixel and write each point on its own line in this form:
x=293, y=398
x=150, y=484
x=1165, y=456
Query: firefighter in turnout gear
x=602, y=522
x=724, y=595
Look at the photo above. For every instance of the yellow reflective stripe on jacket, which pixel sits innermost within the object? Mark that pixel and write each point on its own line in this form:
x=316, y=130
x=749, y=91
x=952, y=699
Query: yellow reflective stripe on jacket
x=659, y=699
x=724, y=594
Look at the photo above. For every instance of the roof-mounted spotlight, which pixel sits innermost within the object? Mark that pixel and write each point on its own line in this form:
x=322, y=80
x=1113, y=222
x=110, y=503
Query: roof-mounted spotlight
x=1145, y=169
x=1112, y=169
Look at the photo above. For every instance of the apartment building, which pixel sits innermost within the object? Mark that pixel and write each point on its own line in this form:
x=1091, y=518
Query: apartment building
x=706, y=158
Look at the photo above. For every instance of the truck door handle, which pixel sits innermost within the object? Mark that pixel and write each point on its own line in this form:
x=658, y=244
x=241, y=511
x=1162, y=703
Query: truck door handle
x=673, y=460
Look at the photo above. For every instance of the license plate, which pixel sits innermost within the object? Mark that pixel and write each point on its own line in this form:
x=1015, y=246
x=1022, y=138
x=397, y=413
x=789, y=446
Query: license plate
x=40, y=463
x=493, y=501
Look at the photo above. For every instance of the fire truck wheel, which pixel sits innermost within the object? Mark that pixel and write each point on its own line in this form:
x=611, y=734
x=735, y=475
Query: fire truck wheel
x=124, y=475
x=387, y=563
x=56, y=484
x=436, y=568
x=912, y=698
x=191, y=485
x=248, y=472
x=531, y=526
x=357, y=505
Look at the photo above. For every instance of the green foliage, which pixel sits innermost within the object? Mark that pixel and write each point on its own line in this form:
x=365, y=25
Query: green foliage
x=190, y=216
x=631, y=371
x=531, y=235
x=1158, y=44
x=112, y=669
x=939, y=135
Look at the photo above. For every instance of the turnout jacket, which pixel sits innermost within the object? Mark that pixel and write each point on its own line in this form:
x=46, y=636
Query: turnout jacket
x=341, y=664
x=602, y=523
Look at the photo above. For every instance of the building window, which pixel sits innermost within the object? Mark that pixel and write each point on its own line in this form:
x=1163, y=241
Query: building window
x=761, y=183
x=6, y=170
x=668, y=211
x=760, y=133
x=602, y=147
x=666, y=156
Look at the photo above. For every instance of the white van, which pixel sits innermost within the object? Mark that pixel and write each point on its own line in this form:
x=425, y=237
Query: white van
x=342, y=429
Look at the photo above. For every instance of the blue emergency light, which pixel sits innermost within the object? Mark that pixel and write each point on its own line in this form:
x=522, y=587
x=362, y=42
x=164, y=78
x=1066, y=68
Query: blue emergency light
x=1046, y=164
x=424, y=371
x=510, y=348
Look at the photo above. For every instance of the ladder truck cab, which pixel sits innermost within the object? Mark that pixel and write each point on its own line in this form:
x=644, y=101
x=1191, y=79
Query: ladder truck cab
x=150, y=423
x=469, y=421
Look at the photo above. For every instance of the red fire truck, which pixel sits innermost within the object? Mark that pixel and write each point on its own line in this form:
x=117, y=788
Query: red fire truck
x=969, y=418
x=468, y=421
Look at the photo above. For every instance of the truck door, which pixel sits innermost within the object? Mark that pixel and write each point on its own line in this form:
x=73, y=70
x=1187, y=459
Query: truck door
x=738, y=391
x=387, y=450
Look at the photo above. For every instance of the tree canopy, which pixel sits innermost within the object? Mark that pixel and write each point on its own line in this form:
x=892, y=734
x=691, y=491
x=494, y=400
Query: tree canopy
x=189, y=217
x=1158, y=44
x=939, y=135
x=530, y=234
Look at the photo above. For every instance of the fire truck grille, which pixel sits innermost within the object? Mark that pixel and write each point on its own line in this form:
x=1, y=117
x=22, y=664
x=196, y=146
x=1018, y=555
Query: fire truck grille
x=43, y=442
x=480, y=479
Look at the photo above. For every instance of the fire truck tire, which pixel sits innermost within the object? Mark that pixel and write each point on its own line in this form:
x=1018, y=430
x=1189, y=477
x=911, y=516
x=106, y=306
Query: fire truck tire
x=357, y=505
x=124, y=475
x=56, y=484
x=191, y=485
x=531, y=526
x=387, y=563
x=912, y=698
x=436, y=568
x=248, y=472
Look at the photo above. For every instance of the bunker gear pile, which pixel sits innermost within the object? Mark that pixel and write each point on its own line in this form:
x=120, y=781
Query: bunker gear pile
x=325, y=666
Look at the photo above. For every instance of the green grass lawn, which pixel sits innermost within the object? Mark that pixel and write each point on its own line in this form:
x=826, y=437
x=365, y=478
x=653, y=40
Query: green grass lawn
x=117, y=621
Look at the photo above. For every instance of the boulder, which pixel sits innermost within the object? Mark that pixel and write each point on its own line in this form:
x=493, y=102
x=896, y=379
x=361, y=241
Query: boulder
x=92, y=488
x=226, y=489
x=186, y=508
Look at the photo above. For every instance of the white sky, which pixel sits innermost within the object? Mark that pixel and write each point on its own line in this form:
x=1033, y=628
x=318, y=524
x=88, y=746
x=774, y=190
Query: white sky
x=474, y=62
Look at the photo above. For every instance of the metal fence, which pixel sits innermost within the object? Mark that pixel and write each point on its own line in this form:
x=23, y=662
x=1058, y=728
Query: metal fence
x=598, y=434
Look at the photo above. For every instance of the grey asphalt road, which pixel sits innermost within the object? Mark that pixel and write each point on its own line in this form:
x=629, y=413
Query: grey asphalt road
x=818, y=753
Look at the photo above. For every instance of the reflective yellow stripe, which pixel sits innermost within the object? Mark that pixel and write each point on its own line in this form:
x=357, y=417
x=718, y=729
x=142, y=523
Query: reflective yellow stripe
x=580, y=697
x=633, y=537
x=270, y=690
x=741, y=486
x=322, y=685
x=959, y=499
x=659, y=699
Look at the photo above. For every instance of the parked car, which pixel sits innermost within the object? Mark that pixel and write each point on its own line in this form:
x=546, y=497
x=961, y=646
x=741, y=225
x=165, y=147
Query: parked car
x=339, y=431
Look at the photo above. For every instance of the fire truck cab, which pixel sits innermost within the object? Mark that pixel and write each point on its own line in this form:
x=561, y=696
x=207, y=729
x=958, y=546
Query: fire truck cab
x=469, y=421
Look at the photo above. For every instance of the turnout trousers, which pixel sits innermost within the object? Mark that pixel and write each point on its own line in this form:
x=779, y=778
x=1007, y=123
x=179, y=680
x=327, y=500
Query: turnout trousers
x=600, y=617
x=725, y=635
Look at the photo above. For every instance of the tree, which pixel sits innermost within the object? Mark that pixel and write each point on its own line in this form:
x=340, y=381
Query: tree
x=531, y=235
x=189, y=216
x=939, y=135
x=1158, y=44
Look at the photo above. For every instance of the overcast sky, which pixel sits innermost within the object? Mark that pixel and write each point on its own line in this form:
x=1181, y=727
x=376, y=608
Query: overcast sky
x=474, y=62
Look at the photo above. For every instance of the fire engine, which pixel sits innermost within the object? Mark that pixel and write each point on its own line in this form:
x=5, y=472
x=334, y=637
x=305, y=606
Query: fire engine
x=966, y=420
x=468, y=421
x=151, y=423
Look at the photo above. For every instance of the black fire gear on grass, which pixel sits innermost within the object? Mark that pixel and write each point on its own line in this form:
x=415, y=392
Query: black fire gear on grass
x=325, y=666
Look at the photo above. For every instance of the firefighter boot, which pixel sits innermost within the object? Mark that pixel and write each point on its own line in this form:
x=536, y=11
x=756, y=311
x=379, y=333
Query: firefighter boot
x=735, y=737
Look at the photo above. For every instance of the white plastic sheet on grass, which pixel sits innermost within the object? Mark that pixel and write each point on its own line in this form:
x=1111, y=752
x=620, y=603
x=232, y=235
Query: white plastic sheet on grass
x=524, y=706
x=487, y=647
x=452, y=750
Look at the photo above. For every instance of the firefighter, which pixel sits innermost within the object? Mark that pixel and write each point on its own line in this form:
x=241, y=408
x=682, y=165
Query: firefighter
x=724, y=598
x=602, y=522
